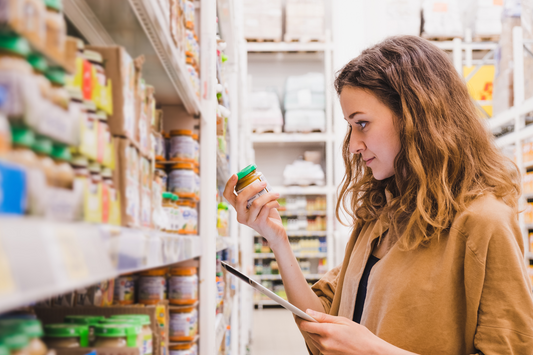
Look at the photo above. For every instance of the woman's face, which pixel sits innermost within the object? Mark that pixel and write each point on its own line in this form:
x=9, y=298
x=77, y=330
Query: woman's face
x=374, y=134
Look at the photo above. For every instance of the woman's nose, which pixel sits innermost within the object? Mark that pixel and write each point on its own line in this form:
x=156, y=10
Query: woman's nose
x=357, y=146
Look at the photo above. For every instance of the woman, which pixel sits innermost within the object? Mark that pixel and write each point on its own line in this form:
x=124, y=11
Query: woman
x=435, y=261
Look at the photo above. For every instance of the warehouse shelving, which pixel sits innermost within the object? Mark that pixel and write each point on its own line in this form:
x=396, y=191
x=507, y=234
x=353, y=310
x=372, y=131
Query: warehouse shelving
x=291, y=137
x=298, y=255
x=287, y=47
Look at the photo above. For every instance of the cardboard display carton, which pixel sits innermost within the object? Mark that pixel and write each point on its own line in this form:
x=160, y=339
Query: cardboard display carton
x=127, y=181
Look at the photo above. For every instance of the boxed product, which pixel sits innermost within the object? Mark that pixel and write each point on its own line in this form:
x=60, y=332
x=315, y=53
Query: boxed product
x=265, y=112
x=99, y=295
x=304, y=20
x=120, y=69
x=127, y=181
x=262, y=19
x=304, y=121
x=13, y=189
x=142, y=113
x=146, y=192
x=305, y=92
x=488, y=17
x=403, y=17
x=443, y=18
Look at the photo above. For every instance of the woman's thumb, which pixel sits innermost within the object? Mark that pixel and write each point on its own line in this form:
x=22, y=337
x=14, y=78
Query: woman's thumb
x=322, y=317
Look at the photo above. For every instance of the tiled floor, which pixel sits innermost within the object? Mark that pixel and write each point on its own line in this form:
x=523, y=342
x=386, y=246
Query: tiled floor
x=275, y=333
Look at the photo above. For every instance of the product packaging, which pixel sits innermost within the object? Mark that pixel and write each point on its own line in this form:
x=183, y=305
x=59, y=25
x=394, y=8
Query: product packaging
x=146, y=192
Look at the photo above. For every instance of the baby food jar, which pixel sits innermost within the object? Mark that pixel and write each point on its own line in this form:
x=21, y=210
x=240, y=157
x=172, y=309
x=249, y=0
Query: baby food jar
x=66, y=336
x=146, y=331
x=182, y=181
x=132, y=323
x=183, y=217
x=246, y=177
x=65, y=173
x=152, y=286
x=181, y=146
x=31, y=328
x=56, y=31
x=89, y=321
x=160, y=147
x=43, y=148
x=183, y=285
x=197, y=183
x=116, y=335
x=183, y=324
x=15, y=342
x=169, y=208
x=40, y=66
x=125, y=289
x=183, y=349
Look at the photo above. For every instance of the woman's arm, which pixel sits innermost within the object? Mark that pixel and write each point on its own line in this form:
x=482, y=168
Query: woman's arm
x=263, y=217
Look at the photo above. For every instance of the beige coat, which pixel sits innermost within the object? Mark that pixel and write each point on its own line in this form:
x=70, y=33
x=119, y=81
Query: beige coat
x=467, y=293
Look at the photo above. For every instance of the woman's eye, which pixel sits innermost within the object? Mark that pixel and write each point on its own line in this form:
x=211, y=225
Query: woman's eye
x=361, y=124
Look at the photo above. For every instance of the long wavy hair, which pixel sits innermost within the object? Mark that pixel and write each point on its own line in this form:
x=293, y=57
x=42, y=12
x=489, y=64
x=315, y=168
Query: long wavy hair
x=447, y=156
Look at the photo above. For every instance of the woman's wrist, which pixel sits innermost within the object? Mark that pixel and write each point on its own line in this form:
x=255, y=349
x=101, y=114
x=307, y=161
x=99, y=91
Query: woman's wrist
x=280, y=245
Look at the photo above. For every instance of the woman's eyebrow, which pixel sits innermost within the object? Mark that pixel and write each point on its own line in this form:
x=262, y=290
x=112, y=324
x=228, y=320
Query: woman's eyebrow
x=354, y=114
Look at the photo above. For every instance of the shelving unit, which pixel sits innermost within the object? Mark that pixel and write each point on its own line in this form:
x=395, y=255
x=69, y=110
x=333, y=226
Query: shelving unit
x=298, y=255
x=278, y=277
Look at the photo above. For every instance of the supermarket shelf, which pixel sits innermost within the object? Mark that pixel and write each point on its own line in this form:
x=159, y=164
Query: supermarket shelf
x=141, y=27
x=302, y=190
x=287, y=47
x=39, y=259
x=220, y=330
x=290, y=137
x=304, y=234
x=222, y=168
x=301, y=213
x=224, y=243
x=298, y=255
x=449, y=45
x=278, y=277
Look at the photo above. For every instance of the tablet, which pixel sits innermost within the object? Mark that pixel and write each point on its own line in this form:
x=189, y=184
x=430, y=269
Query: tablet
x=265, y=291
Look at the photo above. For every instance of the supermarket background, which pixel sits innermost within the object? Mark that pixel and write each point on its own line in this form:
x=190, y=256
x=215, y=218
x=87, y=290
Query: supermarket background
x=121, y=121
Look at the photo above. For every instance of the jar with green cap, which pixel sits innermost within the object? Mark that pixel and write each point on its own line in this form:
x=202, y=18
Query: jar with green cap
x=58, y=93
x=146, y=332
x=40, y=66
x=116, y=336
x=66, y=335
x=22, y=142
x=246, y=177
x=132, y=322
x=42, y=146
x=32, y=328
x=15, y=341
x=89, y=321
x=64, y=172
x=13, y=52
x=169, y=209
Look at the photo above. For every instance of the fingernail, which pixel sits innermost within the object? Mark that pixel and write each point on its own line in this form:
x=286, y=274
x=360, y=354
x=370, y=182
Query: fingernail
x=277, y=195
x=311, y=312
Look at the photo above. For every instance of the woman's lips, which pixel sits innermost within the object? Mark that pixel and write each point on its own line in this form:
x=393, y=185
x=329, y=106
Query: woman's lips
x=369, y=161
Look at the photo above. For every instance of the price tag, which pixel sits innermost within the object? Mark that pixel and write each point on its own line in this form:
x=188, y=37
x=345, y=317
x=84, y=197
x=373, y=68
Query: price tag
x=7, y=285
x=71, y=253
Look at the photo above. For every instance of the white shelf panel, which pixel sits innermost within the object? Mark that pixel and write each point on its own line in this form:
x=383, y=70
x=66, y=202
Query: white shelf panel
x=220, y=330
x=278, y=277
x=224, y=243
x=290, y=137
x=39, y=259
x=298, y=255
x=141, y=27
x=302, y=190
x=448, y=45
x=286, y=47
x=301, y=213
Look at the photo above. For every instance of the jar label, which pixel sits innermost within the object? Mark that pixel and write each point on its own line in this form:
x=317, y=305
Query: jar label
x=181, y=147
x=125, y=289
x=152, y=288
x=148, y=344
x=182, y=181
x=183, y=288
x=183, y=324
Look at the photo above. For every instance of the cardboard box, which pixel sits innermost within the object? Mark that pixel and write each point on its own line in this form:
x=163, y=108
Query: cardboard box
x=158, y=316
x=26, y=17
x=120, y=68
x=127, y=181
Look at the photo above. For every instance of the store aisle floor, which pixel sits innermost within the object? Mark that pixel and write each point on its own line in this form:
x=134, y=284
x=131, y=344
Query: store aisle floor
x=274, y=332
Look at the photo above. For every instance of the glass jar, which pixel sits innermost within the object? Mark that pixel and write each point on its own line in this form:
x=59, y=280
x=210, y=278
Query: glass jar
x=170, y=211
x=89, y=129
x=103, y=139
x=43, y=148
x=193, y=218
x=146, y=331
x=152, y=286
x=16, y=342
x=183, y=286
x=116, y=335
x=182, y=181
x=181, y=146
x=65, y=174
x=89, y=321
x=125, y=289
x=246, y=177
x=197, y=182
x=183, y=217
x=56, y=30
x=66, y=336
x=132, y=323
x=40, y=66
x=31, y=328
x=183, y=324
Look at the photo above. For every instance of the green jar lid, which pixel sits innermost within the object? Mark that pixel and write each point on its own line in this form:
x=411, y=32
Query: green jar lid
x=61, y=152
x=128, y=321
x=86, y=320
x=55, y=75
x=32, y=328
x=14, y=341
x=22, y=136
x=175, y=197
x=54, y=4
x=42, y=145
x=168, y=195
x=223, y=206
x=246, y=171
x=14, y=43
x=68, y=331
x=144, y=319
x=4, y=350
x=129, y=331
x=38, y=62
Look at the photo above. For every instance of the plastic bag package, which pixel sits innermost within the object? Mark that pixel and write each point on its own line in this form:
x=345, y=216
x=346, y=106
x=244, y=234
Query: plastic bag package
x=443, y=18
x=265, y=112
x=305, y=121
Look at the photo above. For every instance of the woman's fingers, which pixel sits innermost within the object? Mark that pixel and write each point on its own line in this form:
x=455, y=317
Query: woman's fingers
x=229, y=194
x=262, y=205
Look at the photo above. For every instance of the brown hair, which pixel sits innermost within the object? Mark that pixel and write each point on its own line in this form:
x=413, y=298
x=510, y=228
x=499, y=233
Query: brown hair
x=447, y=157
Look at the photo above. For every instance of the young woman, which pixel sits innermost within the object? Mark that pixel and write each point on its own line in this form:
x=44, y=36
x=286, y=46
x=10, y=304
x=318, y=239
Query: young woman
x=435, y=261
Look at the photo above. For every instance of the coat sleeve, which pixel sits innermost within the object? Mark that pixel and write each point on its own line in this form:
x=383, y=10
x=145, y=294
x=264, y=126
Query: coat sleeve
x=497, y=284
x=325, y=288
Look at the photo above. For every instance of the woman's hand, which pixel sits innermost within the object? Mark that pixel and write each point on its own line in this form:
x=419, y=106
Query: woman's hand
x=338, y=335
x=262, y=215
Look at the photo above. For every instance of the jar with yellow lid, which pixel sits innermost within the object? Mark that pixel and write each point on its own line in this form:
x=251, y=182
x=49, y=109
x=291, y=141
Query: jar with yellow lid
x=246, y=177
x=183, y=286
x=181, y=146
x=183, y=349
x=89, y=321
x=183, y=323
x=66, y=336
x=182, y=181
x=132, y=323
x=16, y=342
x=146, y=332
x=116, y=335
x=152, y=286
x=31, y=328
